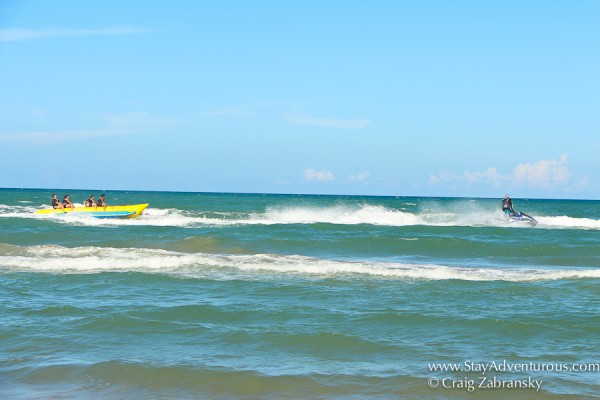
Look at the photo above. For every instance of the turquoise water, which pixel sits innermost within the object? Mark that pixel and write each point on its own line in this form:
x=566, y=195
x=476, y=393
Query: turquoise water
x=280, y=296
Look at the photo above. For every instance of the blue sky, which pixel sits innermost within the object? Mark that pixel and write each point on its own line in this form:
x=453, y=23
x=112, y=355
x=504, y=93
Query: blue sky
x=440, y=98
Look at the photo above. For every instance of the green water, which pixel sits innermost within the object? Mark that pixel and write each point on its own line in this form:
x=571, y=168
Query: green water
x=273, y=296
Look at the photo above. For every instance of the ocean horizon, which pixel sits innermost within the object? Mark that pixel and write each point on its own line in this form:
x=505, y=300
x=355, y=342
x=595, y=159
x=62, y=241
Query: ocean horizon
x=270, y=296
x=268, y=193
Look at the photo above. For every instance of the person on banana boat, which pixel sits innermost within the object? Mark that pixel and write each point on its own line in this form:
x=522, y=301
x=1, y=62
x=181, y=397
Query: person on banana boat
x=102, y=202
x=67, y=202
x=90, y=202
x=55, y=203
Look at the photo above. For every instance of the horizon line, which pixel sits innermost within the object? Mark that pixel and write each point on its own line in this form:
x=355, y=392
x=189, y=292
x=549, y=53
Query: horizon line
x=293, y=194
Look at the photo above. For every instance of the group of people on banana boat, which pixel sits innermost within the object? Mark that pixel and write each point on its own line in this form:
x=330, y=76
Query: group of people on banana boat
x=90, y=202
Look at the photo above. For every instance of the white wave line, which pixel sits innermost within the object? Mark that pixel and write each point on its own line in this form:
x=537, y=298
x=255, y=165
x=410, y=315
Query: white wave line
x=57, y=259
x=341, y=215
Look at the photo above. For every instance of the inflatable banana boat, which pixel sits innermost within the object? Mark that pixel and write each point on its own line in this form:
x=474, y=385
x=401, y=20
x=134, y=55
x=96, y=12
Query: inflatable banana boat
x=126, y=211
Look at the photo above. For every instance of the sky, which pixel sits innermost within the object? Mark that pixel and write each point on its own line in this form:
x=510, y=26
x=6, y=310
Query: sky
x=402, y=98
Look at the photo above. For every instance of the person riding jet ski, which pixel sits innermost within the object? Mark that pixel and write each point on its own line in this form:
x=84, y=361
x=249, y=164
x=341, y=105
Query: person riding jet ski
x=507, y=206
x=516, y=217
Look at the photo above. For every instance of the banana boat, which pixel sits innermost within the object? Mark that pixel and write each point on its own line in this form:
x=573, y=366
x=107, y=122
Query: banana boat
x=125, y=211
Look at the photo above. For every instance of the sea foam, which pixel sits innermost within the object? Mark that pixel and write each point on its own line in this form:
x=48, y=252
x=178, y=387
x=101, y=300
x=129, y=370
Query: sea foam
x=281, y=215
x=569, y=222
x=90, y=259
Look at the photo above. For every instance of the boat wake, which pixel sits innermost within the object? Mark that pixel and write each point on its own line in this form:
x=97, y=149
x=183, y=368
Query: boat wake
x=339, y=215
x=569, y=222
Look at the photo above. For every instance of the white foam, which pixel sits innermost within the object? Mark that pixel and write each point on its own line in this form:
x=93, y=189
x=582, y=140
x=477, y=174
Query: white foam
x=436, y=215
x=18, y=211
x=89, y=259
x=569, y=222
x=150, y=217
x=92, y=259
x=343, y=215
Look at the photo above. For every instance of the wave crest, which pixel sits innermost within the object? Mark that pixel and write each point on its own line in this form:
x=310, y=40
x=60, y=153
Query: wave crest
x=340, y=214
x=89, y=259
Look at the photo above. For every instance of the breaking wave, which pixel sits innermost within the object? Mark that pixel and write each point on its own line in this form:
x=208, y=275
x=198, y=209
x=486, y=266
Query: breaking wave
x=342, y=215
x=569, y=222
x=90, y=259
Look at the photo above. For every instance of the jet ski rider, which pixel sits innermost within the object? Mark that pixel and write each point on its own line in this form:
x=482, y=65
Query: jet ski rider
x=507, y=206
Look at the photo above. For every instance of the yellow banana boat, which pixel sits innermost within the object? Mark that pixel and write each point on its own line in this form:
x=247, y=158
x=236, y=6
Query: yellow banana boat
x=126, y=211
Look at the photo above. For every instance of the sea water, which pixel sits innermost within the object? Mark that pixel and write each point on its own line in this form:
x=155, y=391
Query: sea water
x=257, y=296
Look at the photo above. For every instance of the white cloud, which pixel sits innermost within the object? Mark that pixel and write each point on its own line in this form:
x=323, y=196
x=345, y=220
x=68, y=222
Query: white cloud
x=490, y=176
x=539, y=174
x=115, y=125
x=16, y=34
x=313, y=175
x=443, y=177
x=544, y=173
x=327, y=122
x=360, y=177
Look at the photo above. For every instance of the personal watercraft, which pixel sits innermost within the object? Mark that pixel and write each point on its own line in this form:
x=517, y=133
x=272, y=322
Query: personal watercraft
x=521, y=219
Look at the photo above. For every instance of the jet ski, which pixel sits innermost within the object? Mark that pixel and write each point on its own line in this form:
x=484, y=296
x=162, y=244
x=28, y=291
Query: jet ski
x=521, y=219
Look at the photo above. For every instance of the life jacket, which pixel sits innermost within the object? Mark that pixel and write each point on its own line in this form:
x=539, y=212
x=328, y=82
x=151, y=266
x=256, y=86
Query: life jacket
x=506, y=204
x=55, y=203
x=89, y=202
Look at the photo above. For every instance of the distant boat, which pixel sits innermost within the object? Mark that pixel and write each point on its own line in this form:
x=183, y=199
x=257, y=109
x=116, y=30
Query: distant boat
x=125, y=211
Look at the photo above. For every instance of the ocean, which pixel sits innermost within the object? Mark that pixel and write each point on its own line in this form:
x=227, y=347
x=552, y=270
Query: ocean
x=252, y=296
